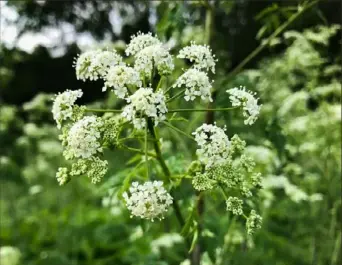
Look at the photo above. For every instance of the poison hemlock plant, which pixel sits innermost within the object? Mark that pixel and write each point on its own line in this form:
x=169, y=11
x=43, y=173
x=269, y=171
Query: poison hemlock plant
x=85, y=133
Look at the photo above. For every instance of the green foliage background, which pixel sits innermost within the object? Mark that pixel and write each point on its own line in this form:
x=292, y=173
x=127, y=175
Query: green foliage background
x=297, y=138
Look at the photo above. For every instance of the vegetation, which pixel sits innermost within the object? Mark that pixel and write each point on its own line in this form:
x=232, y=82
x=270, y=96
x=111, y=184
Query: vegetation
x=293, y=65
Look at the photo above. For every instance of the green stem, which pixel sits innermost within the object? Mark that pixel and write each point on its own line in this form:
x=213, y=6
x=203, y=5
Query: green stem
x=146, y=151
x=168, y=89
x=197, y=251
x=196, y=110
x=176, y=96
x=104, y=110
x=178, y=130
x=337, y=248
x=159, y=83
x=167, y=173
x=135, y=138
x=263, y=45
x=157, y=150
x=129, y=91
x=209, y=22
x=138, y=151
x=223, y=192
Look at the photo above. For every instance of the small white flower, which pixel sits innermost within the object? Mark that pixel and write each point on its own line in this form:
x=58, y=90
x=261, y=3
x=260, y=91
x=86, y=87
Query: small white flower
x=149, y=200
x=242, y=97
x=253, y=223
x=10, y=255
x=145, y=103
x=213, y=145
x=201, y=55
x=97, y=169
x=62, y=108
x=83, y=139
x=197, y=85
x=82, y=65
x=62, y=176
x=156, y=56
x=118, y=77
x=93, y=65
x=234, y=205
x=139, y=42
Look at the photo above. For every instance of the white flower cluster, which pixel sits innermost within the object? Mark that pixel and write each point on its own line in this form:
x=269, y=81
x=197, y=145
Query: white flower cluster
x=10, y=255
x=145, y=103
x=242, y=97
x=62, y=108
x=83, y=138
x=119, y=77
x=234, y=204
x=201, y=55
x=154, y=56
x=93, y=65
x=97, y=168
x=213, y=144
x=149, y=200
x=139, y=42
x=197, y=85
x=254, y=222
x=62, y=176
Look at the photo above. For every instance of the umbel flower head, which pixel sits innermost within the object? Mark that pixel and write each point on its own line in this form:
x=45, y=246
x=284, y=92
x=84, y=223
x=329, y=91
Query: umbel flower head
x=145, y=103
x=200, y=55
x=93, y=167
x=62, y=108
x=93, y=65
x=62, y=176
x=197, y=84
x=154, y=56
x=83, y=140
x=149, y=200
x=119, y=77
x=139, y=42
x=234, y=204
x=245, y=99
x=253, y=223
x=213, y=145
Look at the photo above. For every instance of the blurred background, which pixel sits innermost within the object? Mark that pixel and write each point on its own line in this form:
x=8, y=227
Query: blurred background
x=296, y=142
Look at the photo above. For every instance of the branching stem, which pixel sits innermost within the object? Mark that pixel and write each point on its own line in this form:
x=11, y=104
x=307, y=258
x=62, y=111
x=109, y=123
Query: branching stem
x=178, y=130
x=104, y=110
x=138, y=151
x=200, y=110
x=263, y=45
x=167, y=174
x=176, y=96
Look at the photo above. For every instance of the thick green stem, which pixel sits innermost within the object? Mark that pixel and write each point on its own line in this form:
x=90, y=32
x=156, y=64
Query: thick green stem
x=157, y=150
x=197, y=252
x=167, y=173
